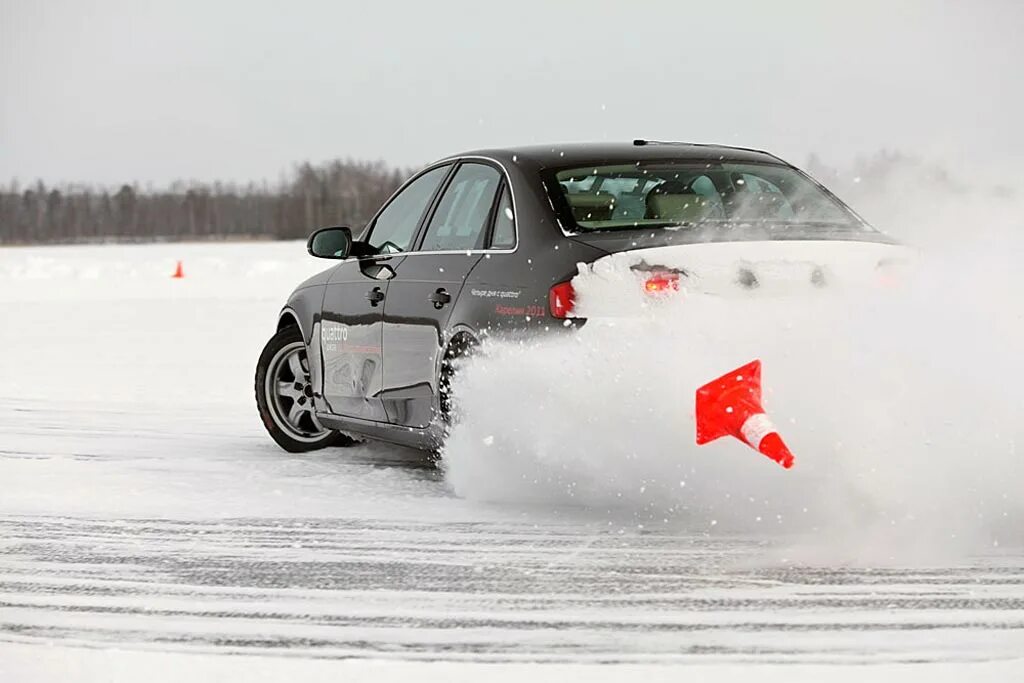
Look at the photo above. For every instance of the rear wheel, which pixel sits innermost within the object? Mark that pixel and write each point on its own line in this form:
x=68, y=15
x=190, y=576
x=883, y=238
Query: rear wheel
x=460, y=347
x=284, y=396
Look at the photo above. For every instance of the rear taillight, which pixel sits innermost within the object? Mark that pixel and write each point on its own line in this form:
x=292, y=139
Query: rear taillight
x=656, y=283
x=890, y=273
x=561, y=299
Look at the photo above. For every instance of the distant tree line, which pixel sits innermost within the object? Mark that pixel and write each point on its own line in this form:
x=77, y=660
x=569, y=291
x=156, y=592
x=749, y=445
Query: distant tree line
x=348, y=193
x=902, y=193
x=335, y=193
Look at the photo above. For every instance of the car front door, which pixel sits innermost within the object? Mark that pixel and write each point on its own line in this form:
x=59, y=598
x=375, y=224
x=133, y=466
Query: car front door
x=425, y=287
x=351, y=325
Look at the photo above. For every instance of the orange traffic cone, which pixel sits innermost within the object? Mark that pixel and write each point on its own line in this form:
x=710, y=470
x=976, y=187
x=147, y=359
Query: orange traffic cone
x=179, y=272
x=731, y=406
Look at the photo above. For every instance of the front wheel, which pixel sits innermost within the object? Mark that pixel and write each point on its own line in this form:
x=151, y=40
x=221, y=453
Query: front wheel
x=284, y=396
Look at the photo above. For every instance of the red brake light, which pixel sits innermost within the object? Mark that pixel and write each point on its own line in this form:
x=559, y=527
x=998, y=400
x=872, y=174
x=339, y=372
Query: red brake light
x=889, y=273
x=657, y=283
x=561, y=299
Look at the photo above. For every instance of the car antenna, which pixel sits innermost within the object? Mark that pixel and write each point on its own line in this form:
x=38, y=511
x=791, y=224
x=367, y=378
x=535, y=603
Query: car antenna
x=640, y=142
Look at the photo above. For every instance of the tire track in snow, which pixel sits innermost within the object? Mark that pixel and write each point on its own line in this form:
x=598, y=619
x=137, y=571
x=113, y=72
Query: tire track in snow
x=484, y=592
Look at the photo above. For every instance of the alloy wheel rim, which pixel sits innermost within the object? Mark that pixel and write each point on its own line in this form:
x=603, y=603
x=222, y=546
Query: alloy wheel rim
x=289, y=393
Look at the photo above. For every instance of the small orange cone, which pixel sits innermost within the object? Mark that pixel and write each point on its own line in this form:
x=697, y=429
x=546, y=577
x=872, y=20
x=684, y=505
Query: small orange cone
x=179, y=272
x=731, y=406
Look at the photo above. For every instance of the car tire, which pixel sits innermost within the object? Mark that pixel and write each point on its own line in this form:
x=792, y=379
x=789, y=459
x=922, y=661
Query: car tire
x=461, y=347
x=284, y=396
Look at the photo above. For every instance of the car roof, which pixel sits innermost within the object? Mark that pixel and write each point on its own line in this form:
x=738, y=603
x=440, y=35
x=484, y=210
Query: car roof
x=588, y=153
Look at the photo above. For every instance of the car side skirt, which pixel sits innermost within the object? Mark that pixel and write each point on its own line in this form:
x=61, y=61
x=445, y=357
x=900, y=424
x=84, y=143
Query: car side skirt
x=427, y=439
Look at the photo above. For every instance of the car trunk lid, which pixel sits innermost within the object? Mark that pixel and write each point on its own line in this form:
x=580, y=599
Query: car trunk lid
x=616, y=283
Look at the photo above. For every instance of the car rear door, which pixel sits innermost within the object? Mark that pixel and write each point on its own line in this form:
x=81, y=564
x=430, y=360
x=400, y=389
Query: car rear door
x=426, y=285
x=351, y=325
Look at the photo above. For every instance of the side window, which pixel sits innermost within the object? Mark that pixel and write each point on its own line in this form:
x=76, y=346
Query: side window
x=504, y=223
x=396, y=225
x=461, y=217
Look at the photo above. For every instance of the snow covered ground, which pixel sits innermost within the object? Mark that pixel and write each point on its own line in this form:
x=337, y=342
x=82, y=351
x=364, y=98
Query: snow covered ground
x=149, y=527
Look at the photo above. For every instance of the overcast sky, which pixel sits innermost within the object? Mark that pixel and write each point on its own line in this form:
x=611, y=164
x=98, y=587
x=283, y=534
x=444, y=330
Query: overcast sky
x=108, y=91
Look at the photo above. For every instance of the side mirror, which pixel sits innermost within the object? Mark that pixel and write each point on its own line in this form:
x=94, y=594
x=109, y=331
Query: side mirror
x=333, y=243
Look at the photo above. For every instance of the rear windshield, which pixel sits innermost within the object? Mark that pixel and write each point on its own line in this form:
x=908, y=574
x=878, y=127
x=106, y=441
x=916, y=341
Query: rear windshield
x=689, y=194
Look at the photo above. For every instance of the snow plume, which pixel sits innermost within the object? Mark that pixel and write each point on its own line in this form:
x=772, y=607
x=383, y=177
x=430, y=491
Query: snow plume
x=903, y=406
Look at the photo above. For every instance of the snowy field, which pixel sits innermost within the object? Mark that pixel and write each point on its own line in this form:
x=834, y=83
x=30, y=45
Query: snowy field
x=150, y=528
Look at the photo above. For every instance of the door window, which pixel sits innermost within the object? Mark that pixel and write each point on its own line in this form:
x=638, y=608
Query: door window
x=461, y=217
x=504, y=223
x=396, y=225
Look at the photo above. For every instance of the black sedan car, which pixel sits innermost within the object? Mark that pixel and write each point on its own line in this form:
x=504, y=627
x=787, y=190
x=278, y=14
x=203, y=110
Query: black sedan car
x=489, y=242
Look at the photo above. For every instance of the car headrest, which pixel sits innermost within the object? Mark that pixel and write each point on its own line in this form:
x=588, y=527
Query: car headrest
x=676, y=201
x=592, y=207
x=673, y=187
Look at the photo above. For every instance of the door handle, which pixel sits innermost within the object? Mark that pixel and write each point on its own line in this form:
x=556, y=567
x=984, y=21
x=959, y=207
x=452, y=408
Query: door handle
x=440, y=298
x=375, y=296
